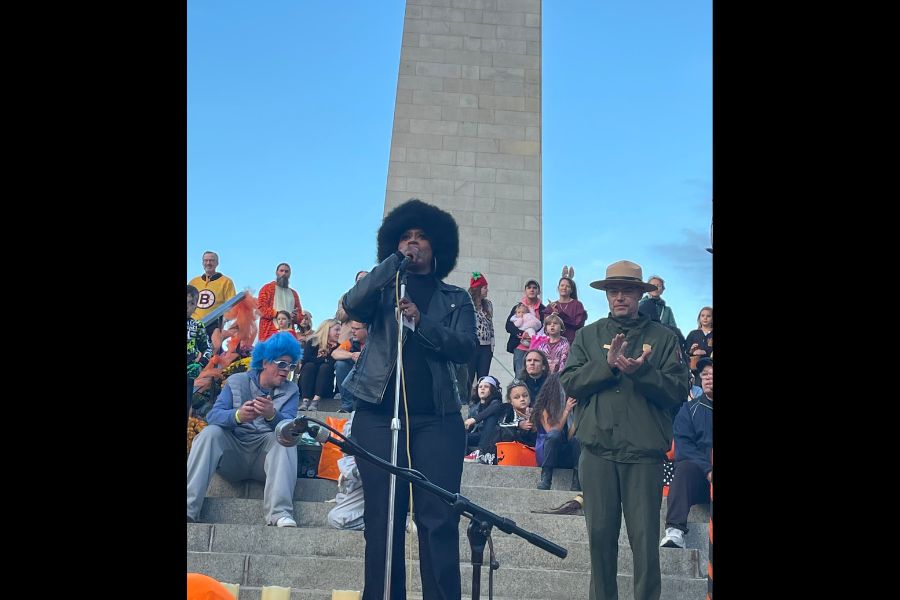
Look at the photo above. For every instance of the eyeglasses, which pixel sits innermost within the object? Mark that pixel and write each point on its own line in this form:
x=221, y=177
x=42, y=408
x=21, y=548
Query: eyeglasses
x=285, y=365
x=625, y=292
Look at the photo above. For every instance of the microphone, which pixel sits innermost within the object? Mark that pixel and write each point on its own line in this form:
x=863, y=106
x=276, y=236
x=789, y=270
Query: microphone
x=288, y=431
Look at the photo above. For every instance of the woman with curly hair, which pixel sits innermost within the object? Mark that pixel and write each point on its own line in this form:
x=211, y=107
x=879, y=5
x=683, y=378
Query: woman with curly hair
x=555, y=446
x=438, y=334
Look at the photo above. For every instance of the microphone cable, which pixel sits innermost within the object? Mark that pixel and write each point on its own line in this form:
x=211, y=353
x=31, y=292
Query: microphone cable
x=411, y=528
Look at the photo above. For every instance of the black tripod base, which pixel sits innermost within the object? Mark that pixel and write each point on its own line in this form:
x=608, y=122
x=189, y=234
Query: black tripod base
x=478, y=533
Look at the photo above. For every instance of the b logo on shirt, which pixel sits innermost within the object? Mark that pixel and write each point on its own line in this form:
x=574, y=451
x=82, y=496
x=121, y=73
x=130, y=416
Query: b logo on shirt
x=207, y=299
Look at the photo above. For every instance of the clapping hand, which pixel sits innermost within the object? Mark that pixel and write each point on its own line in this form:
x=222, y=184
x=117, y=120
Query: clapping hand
x=616, y=357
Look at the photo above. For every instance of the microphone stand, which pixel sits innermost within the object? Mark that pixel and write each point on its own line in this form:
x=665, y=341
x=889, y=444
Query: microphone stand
x=395, y=432
x=482, y=520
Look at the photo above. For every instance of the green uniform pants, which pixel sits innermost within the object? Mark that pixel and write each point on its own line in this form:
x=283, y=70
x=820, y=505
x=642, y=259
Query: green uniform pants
x=611, y=489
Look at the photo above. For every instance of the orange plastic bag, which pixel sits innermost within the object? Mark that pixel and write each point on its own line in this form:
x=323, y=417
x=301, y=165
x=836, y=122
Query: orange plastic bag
x=328, y=467
x=515, y=454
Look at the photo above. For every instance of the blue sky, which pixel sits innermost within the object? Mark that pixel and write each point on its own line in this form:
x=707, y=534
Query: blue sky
x=289, y=114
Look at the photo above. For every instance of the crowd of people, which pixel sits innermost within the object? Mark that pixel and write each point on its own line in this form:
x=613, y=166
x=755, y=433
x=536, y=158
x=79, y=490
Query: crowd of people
x=600, y=399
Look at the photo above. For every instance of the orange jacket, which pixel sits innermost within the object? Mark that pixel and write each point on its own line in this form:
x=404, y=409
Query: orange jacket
x=265, y=303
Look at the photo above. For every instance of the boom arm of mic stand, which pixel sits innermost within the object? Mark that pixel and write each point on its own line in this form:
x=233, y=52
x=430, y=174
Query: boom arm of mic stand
x=460, y=503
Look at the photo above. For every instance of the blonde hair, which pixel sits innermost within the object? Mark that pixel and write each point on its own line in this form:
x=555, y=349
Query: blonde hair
x=557, y=318
x=320, y=337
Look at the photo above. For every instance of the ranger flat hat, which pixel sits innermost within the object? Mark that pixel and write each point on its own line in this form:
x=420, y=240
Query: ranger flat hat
x=624, y=272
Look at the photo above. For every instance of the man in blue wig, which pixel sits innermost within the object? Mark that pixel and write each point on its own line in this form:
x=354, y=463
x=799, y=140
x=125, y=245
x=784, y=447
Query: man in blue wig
x=239, y=441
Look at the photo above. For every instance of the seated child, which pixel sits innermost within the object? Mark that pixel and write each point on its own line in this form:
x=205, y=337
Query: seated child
x=484, y=415
x=514, y=425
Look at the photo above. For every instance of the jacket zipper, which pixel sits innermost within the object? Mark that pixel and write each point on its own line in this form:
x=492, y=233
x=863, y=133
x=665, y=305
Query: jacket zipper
x=393, y=366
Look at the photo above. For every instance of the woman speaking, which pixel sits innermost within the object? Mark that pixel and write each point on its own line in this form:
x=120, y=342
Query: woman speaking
x=439, y=331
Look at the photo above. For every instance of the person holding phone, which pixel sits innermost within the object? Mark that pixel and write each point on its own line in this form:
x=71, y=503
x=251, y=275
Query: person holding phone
x=239, y=442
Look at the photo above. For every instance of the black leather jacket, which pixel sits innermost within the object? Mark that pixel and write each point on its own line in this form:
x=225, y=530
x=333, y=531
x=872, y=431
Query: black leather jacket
x=447, y=332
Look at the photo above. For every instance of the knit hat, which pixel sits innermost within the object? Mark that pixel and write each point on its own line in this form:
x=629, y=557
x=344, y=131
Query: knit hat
x=477, y=280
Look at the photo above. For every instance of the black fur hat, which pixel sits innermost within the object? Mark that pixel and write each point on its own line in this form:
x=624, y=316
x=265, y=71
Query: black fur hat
x=439, y=226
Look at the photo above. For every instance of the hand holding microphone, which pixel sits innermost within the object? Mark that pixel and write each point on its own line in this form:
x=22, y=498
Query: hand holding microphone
x=409, y=309
x=288, y=432
x=411, y=255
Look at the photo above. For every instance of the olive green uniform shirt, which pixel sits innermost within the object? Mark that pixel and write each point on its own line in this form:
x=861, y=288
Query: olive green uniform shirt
x=620, y=417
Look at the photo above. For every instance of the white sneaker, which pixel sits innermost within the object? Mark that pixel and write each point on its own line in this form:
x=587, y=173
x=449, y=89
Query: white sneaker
x=674, y=538
x=472, y=456
x=487, y=458
x=286, y=522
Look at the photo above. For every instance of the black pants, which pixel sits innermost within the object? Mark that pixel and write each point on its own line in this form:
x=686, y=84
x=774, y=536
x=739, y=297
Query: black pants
x=436, y=446
x=485, y=429
x=479, y=364
x=317, y=379
x=689, y=486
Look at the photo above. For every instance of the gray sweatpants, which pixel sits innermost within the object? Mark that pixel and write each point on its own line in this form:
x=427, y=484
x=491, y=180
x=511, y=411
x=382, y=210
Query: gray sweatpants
x=258, y=457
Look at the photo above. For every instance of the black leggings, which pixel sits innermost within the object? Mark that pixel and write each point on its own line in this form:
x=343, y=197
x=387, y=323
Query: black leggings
x=479, y=364
x=317, y=379
x=436, y=446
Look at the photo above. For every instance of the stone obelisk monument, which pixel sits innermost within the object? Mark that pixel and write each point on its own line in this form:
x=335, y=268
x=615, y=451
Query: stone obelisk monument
x=467, y=138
